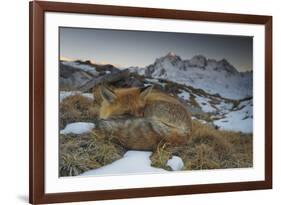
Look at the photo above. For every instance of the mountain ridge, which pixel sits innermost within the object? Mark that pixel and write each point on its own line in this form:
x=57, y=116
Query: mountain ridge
x=213, y=76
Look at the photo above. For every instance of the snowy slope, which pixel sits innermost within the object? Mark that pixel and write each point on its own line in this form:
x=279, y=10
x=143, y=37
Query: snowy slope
x=239, y=119
x=207, y=74
x=226, y=114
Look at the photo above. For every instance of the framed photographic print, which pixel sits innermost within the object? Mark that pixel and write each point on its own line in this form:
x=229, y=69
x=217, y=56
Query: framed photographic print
x=138, y=102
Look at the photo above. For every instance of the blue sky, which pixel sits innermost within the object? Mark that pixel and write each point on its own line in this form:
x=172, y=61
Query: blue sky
x=141, y=48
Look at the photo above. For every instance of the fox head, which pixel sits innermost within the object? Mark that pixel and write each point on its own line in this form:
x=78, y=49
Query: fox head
x=123, y=101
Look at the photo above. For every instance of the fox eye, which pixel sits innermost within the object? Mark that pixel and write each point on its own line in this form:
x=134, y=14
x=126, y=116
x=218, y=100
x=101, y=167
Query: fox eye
x=128, y=115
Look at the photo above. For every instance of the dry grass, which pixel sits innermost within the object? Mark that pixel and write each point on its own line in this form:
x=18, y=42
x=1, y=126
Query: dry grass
x=77, y=108
x=210, y=149
x=80, y=153
x=160, y=156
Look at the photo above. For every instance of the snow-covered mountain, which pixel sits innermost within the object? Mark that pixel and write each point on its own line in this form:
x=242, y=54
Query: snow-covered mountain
x=215, y=77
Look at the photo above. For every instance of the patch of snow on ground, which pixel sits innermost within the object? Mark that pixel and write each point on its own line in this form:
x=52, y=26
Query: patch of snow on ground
x=224, y=107
x=152, y=80
x=139, y=70
x=175, y=163
x=88, y=95
x=133, y=162
x=184, y=95
x=147, y=84
x=64, y=94
x=78, y=128
x=239, y=120
x=204, y=104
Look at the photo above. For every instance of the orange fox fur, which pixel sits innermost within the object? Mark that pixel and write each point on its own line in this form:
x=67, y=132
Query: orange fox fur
x=141, y=118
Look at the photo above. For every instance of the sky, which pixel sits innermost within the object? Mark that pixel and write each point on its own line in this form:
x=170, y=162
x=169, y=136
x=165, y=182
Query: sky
x=124, y=48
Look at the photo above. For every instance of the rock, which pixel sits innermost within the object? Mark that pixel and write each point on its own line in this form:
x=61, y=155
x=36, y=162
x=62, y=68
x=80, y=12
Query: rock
x=198, y=61
x=224, y=65
x=72, y=78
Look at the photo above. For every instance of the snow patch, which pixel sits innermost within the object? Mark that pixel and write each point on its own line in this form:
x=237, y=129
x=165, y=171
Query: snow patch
x=151, y=80
x=204, y=104
x=224, y=107
x=184, y=95
x=175, y=163
x=78, y=128
x=133, y=162
x=238, y=120
x=88, y=95
x=135, y=69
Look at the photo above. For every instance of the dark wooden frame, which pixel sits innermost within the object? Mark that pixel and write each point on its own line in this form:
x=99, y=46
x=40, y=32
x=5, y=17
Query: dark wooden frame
x=36, y=55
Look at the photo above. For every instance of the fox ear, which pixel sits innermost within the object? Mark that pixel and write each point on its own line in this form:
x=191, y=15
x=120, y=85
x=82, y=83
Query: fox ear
x=144, y=92
x=107, y=94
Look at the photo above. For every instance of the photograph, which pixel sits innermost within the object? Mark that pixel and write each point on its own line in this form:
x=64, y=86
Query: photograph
x=145, y=102
x=129, y=102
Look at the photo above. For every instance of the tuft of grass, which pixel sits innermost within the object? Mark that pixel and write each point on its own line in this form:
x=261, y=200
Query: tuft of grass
x=80, y=153
x=75, y=163
x=160, y=156
x=216, y=149
x=104, y=150
x=209, y=149
x=77, y=108
x=208, y=117
x=193, y=102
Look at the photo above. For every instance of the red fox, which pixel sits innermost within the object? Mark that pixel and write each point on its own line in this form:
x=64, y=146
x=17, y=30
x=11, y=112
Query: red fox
x=140, y=118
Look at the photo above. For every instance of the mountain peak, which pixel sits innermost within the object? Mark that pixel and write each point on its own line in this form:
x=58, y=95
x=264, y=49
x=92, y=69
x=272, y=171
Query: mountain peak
x=198, y=61
x=171, y=54
x=226, y=66
x=170, y=57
